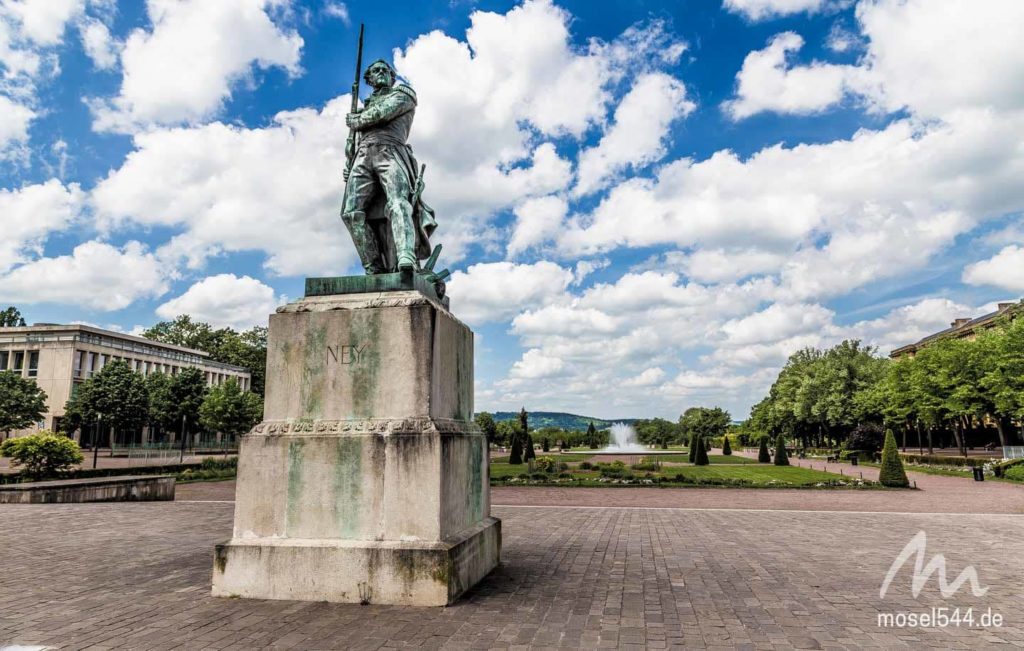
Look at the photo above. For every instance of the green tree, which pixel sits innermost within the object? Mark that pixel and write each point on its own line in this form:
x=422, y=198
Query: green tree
x=892, y=473
x=516, y=454
x=188, y=389
x=726, y=448
x=42, y=455
x=485, y=421
x=11, y=318
x=22, y=402
x=507, y=432
x=763, y=456
x=1003, y=377
x=229, y=410
x=656, y=431
x=76, y=410
x=119, y=395
x=163, y=408
x=248, y=349
x=706, y=422
x=781, y=456
x=592, y=442
x=701, y=458
x=524, y=436
x=529, y=453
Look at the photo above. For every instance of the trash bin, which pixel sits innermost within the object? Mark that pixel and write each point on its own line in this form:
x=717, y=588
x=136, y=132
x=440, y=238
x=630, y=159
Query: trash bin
x=979, y=474
x=853, y=460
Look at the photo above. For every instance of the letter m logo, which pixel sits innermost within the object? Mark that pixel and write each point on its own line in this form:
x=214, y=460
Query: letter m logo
x=923, y=572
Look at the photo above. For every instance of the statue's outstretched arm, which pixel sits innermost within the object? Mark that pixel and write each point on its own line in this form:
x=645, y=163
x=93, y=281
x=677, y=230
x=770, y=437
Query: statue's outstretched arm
x=388, y=109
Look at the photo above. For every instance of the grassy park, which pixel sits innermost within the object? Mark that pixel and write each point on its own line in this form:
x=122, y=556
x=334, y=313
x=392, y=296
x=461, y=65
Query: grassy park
x=663, y=470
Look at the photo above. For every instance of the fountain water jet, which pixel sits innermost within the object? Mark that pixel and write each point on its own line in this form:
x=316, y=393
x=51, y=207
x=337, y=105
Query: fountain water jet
x=623, y=441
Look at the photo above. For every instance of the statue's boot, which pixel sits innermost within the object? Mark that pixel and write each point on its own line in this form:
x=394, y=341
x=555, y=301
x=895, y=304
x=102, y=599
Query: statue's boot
x=365, y=241
x=400, y=214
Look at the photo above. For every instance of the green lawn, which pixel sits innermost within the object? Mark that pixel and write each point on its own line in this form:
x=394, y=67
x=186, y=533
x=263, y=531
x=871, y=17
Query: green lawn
x=713, y=458
x=759, y=474
x=741, y=475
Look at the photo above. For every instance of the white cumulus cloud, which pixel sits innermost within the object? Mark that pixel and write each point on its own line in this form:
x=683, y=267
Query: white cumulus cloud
x=638, y=135
x=186, y=65
x=275, y=189
x=496, y=291
x=224, y=300
x=95, y=275
x=31, y=214
x=1005, y=270
x=767, y=81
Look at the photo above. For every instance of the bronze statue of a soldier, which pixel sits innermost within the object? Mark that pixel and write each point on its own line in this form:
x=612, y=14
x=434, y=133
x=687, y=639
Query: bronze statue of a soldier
x=383, y=209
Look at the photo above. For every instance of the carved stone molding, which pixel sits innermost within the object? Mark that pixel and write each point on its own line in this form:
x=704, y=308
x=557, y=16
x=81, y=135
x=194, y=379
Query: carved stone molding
x=359, y=302
x=383, y=426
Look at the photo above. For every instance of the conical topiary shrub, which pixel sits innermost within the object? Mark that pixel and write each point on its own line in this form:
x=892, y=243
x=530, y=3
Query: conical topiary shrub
x=515, y=457
x=726, y=448
x=762, y=454
x=892, y=473
x=529, y=454
x=781, y=457
x=694, y=442
x=701, y=458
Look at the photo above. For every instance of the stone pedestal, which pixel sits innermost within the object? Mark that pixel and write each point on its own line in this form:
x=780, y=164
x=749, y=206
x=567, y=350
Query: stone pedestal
x=368, y=481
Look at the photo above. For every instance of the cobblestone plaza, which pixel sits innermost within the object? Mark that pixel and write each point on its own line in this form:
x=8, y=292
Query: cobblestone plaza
x=137, y=576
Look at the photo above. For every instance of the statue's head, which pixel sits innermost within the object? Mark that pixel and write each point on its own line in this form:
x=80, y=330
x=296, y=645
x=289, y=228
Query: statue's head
x=380, y=74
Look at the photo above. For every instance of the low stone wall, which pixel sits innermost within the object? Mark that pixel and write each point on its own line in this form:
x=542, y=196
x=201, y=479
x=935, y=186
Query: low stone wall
x=130, y=488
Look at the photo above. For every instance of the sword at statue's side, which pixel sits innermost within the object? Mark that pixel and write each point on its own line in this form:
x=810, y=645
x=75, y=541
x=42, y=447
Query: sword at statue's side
x=353, y=137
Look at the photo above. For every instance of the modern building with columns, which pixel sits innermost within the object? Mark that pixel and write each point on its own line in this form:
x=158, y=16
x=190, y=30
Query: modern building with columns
x=60, y=357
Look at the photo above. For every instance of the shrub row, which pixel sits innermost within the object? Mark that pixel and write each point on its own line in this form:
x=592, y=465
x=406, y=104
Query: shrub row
x=679, y=479
x=937, y=460
x=207, y=465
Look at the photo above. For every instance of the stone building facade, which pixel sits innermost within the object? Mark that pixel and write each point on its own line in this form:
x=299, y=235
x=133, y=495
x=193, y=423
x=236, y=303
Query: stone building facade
x=60, y=357
x=964, y=328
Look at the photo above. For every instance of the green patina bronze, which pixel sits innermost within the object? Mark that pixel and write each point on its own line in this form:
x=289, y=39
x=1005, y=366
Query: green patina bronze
x=423, y=282
x=383, y=205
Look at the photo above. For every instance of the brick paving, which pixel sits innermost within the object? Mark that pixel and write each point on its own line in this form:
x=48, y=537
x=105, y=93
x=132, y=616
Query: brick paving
x=136, y=576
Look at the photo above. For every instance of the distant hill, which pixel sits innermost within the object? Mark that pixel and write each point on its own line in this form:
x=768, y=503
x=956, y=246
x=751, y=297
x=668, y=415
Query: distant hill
x=539, y=419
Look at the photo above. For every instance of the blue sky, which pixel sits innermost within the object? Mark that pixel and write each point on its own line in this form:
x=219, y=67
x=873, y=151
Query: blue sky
x=646, y=205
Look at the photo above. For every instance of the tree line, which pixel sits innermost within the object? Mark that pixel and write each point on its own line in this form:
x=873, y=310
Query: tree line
x=122, y=401
x=952, y=392
x=707, y=422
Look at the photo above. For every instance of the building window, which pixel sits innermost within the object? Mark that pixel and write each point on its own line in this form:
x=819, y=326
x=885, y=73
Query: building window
x=33, y=363
x=19, y=361
x=3, y=360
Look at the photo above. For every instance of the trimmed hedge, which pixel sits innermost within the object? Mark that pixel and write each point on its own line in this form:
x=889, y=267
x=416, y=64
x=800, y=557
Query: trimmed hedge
x=781, y=456
x=701, y=459
x=937, y=460
x=207, y=465
x=762, y=454
x=892, y=473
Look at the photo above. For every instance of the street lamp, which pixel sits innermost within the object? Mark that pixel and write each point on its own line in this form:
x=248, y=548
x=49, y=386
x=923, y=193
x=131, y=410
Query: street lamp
x=95, y=440
x=181, y=459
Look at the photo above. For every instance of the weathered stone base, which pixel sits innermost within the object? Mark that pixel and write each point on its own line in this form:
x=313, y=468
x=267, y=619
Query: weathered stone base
x=357, y=571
